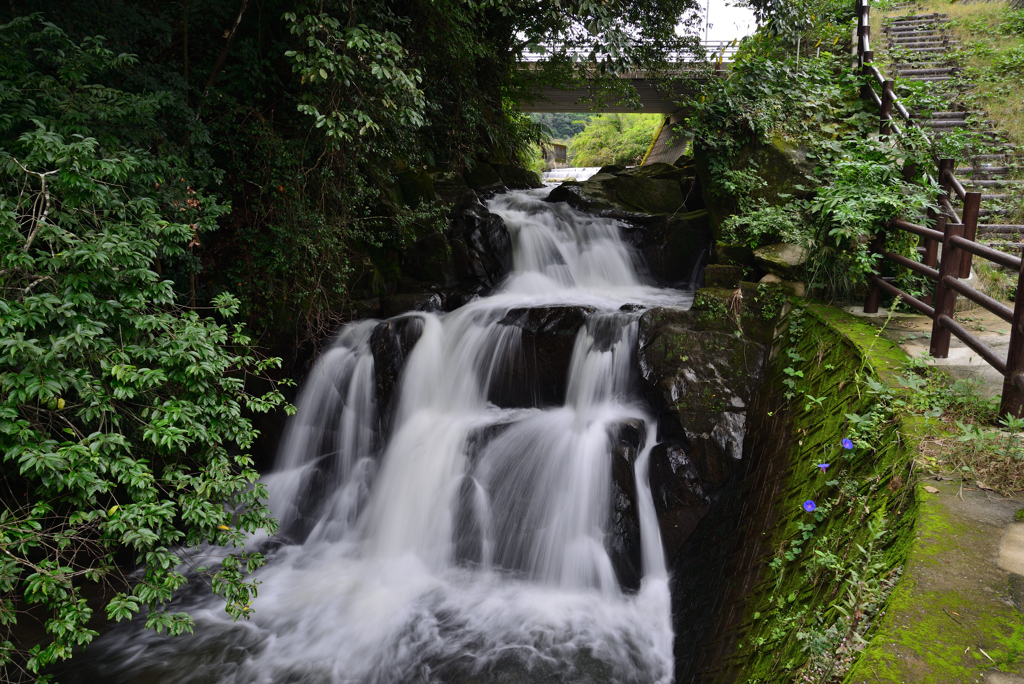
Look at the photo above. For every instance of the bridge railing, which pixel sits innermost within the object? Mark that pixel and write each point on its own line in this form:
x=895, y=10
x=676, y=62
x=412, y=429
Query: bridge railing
x=956, y=234
x=716, y=51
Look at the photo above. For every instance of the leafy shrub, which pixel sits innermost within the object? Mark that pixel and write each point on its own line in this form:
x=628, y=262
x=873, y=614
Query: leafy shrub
x=121, y=411
x=614, y=139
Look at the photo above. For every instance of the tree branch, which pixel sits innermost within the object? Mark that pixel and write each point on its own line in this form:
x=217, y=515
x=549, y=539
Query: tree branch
x=227, y=47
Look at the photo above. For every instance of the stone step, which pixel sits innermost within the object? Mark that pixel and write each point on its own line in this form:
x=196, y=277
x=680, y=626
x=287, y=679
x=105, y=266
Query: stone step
x=988, y=170
x=998, y=157
x=921, y=65
x=934, y=123
x=921, y=32
x=931, y=79
x=917, y=33
x=918, y=17
x=1001, y=183
x=923, y=42
x=930, y=49
x=928, y=72
x=1000, y=228
x=986, y=213
x=946, y=115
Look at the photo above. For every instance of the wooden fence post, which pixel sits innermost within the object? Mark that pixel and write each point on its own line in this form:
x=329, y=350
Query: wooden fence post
x=1013, y=393
x=969, y=217
x=945, y=297
x=945, y=187
x=865, y=70
x=885, y=113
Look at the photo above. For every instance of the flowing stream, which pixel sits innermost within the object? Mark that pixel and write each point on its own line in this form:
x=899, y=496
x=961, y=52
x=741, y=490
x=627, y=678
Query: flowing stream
x=450, y=536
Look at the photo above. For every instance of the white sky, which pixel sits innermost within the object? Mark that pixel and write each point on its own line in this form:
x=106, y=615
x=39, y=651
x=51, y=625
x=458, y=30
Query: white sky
x=727, y=20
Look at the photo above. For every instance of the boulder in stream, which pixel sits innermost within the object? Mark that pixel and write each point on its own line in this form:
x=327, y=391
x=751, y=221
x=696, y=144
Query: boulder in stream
x=700, y=368
x=481, y=246
x=627, y=441
x=538, y=376
x=391, y=342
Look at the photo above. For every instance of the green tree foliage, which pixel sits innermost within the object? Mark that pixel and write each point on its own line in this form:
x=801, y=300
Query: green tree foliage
x=121, y=412
x=562, y=126
x=310, y=159
x=614, y=139
x=858, y=183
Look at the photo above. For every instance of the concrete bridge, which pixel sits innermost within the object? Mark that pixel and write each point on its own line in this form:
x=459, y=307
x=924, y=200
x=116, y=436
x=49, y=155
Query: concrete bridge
x=652, y=98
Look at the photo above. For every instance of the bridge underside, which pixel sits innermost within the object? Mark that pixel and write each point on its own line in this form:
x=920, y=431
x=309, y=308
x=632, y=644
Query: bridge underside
x=653, y=102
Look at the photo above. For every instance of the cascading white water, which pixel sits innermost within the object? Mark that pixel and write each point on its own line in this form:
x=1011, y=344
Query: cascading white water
x=455, y=541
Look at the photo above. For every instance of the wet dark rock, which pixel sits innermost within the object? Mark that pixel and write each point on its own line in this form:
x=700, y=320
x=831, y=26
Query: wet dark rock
x=679, y=498
x=593, y=196
x=411, y=301
x=366, y=308
x=481, y=246
x=662, y=209
x=518, y=178
x=450, y=186
x=468, y=532
x=650, y=195
x=417, y=186
x=390, y=343
x=700, y=375
x=538, y=377
x=623, y=541
x=431, y=259
x=319, y=480
x=482, y=176
x=674, y=246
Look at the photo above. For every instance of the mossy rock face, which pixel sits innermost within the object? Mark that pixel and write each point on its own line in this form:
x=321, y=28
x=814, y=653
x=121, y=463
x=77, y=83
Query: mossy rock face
x=413, y=301
x=450, y=186
x=517, y=177
x=650, y=195
x=782, y=165
x=417, y=186
x=650, y=171
x=673, y=245
x=721, y=275
x=589, y=196
x=700, y=371
x=612, y=169
x=431, y=260
x=734, y=255
x=482, y=177
x=783, y=260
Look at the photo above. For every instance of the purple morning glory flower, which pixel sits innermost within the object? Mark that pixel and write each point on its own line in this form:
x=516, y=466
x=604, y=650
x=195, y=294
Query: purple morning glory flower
x=847, y=444
x=809, y=505
x=824, y=466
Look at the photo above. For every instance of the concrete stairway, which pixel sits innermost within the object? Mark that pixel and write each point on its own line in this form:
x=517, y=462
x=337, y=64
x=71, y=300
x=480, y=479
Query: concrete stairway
x=922, y=48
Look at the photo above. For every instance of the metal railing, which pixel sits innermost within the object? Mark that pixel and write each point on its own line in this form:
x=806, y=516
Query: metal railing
x=716, y=51
x=956, y=235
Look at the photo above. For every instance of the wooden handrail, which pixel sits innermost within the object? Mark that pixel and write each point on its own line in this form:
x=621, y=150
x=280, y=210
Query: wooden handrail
x=982, y=300
x=957, y=235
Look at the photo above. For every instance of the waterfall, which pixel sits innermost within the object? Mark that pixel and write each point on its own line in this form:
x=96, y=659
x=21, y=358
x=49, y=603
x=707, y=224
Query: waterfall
x=453, y=527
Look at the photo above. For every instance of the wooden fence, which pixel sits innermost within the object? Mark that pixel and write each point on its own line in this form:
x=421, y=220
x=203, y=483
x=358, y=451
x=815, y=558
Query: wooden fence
x=956, y=235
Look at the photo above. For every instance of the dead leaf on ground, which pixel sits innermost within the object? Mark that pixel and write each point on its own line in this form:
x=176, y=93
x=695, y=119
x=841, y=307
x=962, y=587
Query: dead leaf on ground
x=931, y=490
x=895, y=483
x=982, y=485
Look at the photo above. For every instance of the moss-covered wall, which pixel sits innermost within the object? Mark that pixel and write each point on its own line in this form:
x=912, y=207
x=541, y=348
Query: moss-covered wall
x=761, y=586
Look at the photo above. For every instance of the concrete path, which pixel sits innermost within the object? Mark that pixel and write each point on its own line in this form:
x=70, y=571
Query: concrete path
x=912, y=332
x=955, y=616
